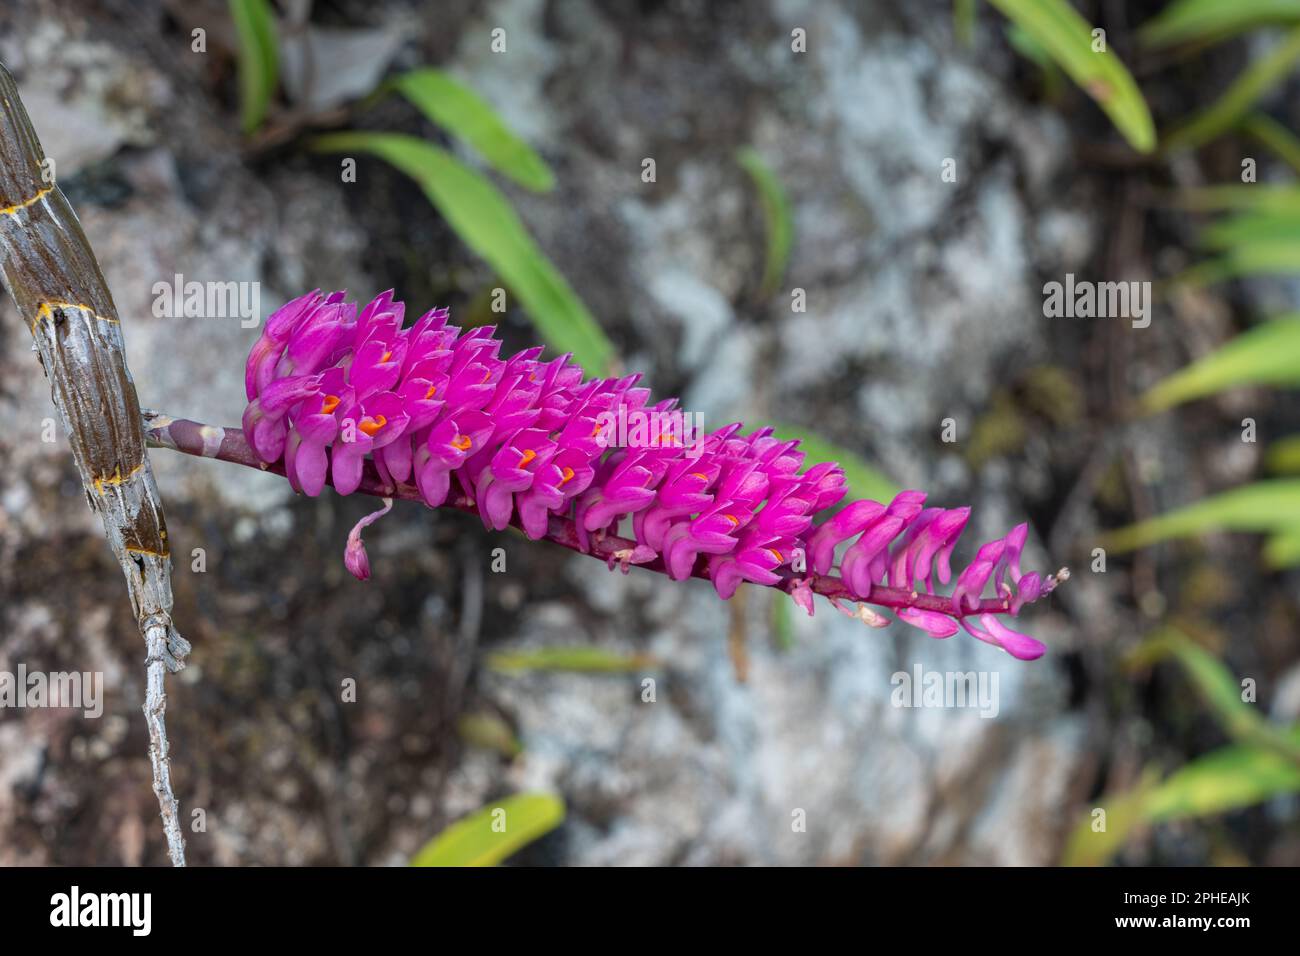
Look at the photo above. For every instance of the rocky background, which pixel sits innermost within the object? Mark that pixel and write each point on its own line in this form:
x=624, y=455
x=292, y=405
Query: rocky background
x=924, y=303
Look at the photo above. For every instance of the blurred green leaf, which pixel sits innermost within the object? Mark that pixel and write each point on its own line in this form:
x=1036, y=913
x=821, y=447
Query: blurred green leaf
x=1225, y=779
x=1274, y=136
x=464, y=114
x=1067, y=37
x=863, y=480
x=1220, y=690
x=776, y=218
x=1283, y=456
x=1249, y=258
x=963, y=21
x=1227, y=111
x=489, y=732
x=1282, y=550
x=782, y=629
x=588, y=660
x=472, y=841
x=1229, y=778
x=1213, y=20
x=1268, y=354
x=1260, y=227
x=1257, y=197
x=1263, y=506
x=485, y=221
x=259, y=60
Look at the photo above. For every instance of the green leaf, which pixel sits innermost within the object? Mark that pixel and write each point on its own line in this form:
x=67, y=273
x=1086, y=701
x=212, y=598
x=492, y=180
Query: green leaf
x=259, y=60
x=1251, y=258
x=776, y=218
x=1283, y=456
x=1221, y=691
x=863, y=480
x=467, y=116
x=1263, y=506
x=1229, y=109
x=1229, y=778
x=963, y=21
x=782, y=629
x=1268, y=354
x=1059, y=29
x=474, y=841
x=1231, y=232
x=1225, y=779
x=1274, y=136
x=1247, y=197
x=490, y=732
x=1213, y=20
x=1282, y=550
x=485, y=221
x=586, y=660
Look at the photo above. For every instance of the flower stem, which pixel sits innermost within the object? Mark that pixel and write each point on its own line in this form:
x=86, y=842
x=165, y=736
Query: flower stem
x=229, y=444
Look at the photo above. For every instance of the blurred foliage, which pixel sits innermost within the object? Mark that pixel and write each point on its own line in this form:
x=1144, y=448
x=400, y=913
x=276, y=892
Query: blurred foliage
x=259, y=60
x=1268, y=354
x=486, y=222
x=489, y=732
x=479, y=213
x=1065, y=36
x=1210, y=21
x=1264, y=763
x=467, y=116
x=1264, y=506
x=580, y=659
x=494, y=833
x=776, y=218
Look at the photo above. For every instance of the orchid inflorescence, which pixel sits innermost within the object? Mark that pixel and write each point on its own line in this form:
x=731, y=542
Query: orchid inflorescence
x=331, y=387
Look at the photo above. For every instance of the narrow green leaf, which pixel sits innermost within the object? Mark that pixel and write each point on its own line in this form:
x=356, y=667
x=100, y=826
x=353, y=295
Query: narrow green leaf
x=963, y=21
x=1231, y=232
x=1225, y=779
x=1067, y=37
x=259, y=60
x=776, y=218
x=1282, y=550
x=1247, y=197
x=494, y=833
x=782, y=629
x=585, y=660
x=1228, y=110
x=1221, y=691
x=1263, y=506
x=1283, y=456
x=1262, y=258
x=1274, y=136
x=863, y=480
x=490, y=732
x=1268, y=354
x=1229, y=778
x=1212, y=20
x=485, y=221
x=466, y=115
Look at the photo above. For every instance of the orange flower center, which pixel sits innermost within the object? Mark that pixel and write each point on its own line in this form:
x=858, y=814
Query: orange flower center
x=462, y=442
x=733, y=519
x=429, y=394
x=330, y=403
x=568, y=475
x=527, y=456
x=776, y=554
x=387, y=356
x=372, y=425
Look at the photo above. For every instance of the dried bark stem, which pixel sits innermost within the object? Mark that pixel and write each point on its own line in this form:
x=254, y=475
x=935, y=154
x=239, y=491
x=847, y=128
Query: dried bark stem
x=49, y=270
x=230, y=445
